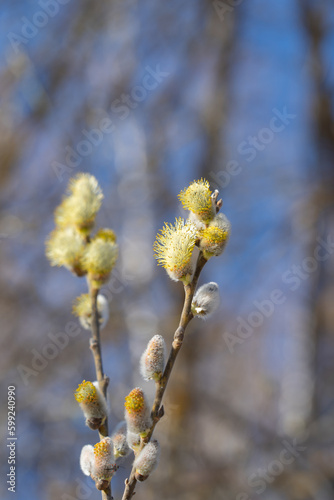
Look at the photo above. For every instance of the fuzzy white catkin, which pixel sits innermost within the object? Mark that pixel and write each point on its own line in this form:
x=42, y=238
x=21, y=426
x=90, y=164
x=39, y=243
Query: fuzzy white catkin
x=87, y=459
x=206, y=300
x=133, y=440
x=152, y=362
x=101, y=409
x=148, y=458
x=121, y=447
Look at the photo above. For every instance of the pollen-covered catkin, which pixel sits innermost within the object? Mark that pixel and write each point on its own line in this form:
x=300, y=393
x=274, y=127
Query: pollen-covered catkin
x=80, y=206
x=104, y=462
x=137, y=413
x=206, y=300
x=65, y=247
x=174, y=248
x=147, y=460
x=99, y=259
x=82, y=308
x=119, y=439
x=87, y=459
x=214, y=238
x=198, y=200
x=152, y=361
x=92, y=403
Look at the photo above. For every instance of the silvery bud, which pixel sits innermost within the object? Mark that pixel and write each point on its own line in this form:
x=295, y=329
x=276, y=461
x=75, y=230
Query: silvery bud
x=147, y=460
x=206, y=300
x=87, y=459
x=152, y=362
x=121, y=447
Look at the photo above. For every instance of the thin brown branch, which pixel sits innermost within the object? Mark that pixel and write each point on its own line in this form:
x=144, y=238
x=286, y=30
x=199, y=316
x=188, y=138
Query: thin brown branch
x=157, y=409
x=103, y=381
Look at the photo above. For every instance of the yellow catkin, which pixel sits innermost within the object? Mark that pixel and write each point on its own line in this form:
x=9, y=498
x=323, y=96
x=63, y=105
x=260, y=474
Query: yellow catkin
x=174, y=247
x=197, y=199
x=86, y=393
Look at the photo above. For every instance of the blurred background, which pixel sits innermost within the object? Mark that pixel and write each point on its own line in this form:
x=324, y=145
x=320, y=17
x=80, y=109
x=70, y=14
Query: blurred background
x=148, y=96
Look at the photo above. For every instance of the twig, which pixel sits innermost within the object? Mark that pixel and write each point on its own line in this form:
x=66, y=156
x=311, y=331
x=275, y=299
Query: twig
x=103, y=381
x=157, y=409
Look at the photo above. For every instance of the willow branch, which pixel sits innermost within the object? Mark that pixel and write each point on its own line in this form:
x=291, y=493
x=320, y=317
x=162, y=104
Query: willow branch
x=157, y=408
x=103, y=381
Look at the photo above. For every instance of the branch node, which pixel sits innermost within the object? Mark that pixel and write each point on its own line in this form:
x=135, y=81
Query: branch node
x=93, y=343
x=178, y=336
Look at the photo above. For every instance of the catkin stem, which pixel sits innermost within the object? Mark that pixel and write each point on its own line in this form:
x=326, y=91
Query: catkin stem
x=103, y=381
x=157, y=409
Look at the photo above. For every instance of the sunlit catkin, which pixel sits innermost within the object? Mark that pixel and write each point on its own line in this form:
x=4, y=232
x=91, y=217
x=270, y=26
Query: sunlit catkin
x=197, y=198
x=99, y=259
x=87, y=459
x=152, y=362
x=213, y=239
x=65, y=247
x=80, y=206
x=173, y=249
x=137, y=413
x=92, y=403
x=104, y=463
x=206, y=300
x=147, y=460
x=119, y=439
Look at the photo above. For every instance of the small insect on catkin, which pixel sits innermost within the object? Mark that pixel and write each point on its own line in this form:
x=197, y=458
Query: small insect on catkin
x=137, y=413
x=104, y=463
x=152, y=362
x=147, y=460
x=87, y=459
x=92, y=403
x=119, y=439
x=206, y=300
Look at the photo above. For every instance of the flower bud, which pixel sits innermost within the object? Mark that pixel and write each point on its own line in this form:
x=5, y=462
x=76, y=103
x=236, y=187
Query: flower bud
x=137, y=413
x=133, y=440
x=92, y=403
x=206, y=300
x=198, y=199
x=87, y=459
x=147, y=460
x=80, y=206
x=173, y=250
x=82, y=308
x=213, y=239
x=65, y=247
x=119, y=439
x=152, y=362
x=99, y=259
x=104, y=462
